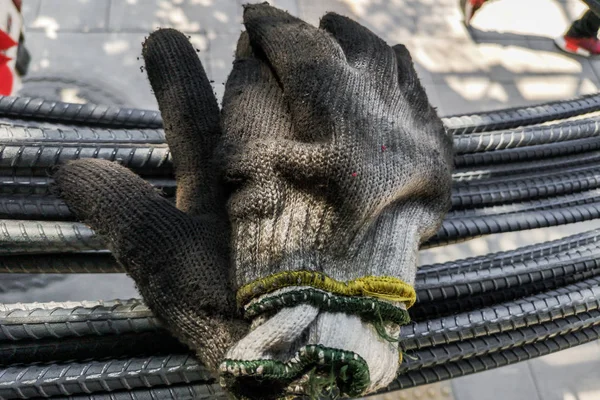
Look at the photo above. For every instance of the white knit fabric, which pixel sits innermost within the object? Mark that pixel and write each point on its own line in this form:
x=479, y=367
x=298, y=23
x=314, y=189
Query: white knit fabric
x=333, y=330
x=278, y=332
x=348, y=332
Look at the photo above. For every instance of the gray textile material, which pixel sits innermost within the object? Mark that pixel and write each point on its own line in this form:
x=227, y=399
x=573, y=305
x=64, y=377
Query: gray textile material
x=338, y=165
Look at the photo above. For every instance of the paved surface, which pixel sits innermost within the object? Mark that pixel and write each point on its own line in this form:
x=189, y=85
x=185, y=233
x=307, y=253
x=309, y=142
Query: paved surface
x=508, y=58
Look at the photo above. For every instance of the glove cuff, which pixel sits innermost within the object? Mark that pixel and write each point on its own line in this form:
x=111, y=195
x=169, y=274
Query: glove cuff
x=381, y=287
x=369, y=309
x=347, y=369
x=330, y=350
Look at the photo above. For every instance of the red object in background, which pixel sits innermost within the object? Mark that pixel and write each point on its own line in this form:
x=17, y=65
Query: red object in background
x=12, y=62
x=6, y=75
x=6, y=80
x=581, y=46
x=6, y=42
x=469, y=8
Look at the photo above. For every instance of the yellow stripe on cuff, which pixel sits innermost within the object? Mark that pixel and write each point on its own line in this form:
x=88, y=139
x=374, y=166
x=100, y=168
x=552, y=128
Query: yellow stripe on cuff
x=382, y=287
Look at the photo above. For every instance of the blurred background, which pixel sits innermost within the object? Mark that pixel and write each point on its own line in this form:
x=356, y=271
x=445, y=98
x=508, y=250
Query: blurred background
x=90, y=51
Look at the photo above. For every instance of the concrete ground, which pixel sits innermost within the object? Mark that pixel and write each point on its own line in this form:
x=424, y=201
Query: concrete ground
x=92, y=48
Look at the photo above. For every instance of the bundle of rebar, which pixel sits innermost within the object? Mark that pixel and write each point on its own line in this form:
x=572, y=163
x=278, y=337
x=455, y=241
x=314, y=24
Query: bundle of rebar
x=515, y=169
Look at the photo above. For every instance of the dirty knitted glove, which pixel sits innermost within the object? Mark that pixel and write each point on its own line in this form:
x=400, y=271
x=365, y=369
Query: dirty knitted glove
x=339, y=168
x=178, y=257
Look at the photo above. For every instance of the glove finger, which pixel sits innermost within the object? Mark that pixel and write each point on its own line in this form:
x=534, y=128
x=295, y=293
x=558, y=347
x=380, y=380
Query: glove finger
x=243, y=47
x=107, y=196
x=125, y=210
x=292, y=46
x=408, y=80
x=422, y=113
x=253, y=103
x=364, y=50
x=191, y=117
x=254, y=109
x=179, y=263
x=415, y=95
x=140, y=226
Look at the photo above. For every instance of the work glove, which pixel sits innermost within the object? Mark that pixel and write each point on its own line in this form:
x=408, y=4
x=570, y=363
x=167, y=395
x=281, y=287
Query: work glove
x=339, y=168
x=178, y=255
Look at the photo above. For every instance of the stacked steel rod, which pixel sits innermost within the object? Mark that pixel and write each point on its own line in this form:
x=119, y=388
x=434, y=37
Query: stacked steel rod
x=515, y=169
